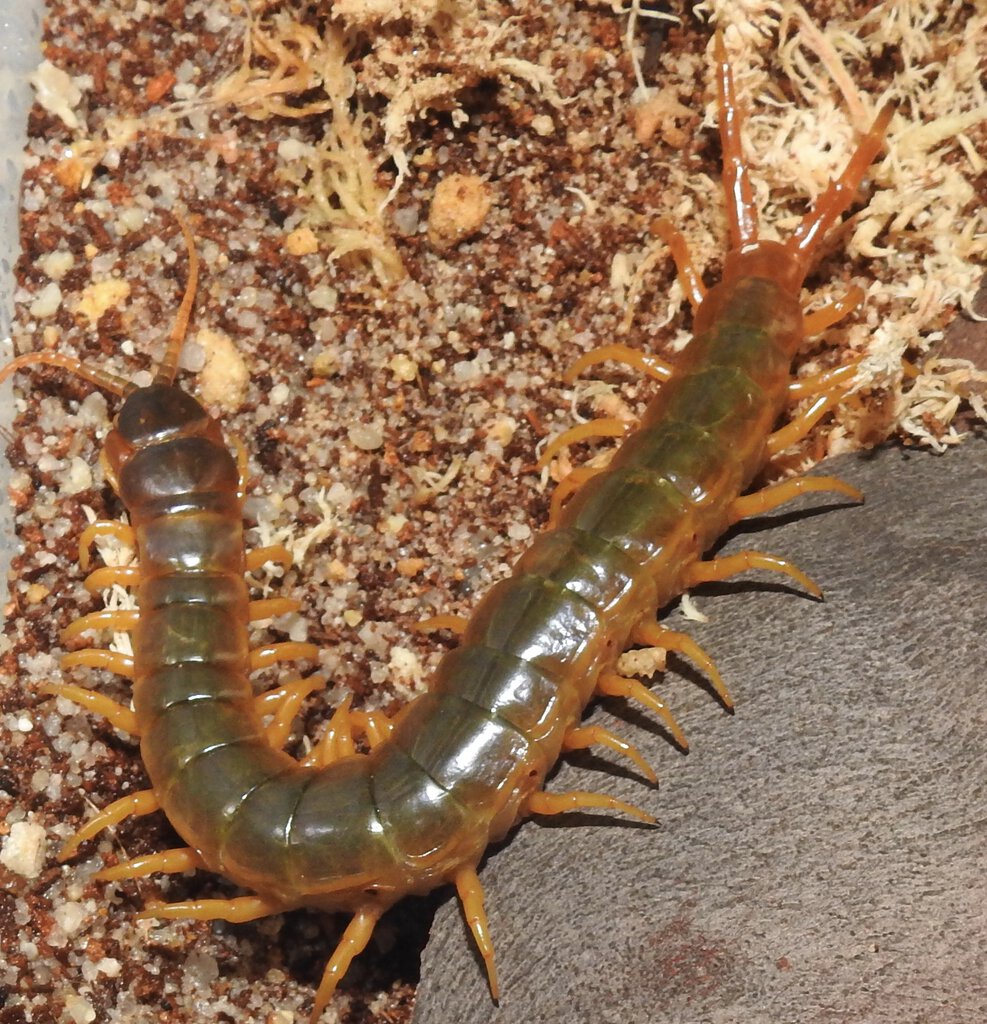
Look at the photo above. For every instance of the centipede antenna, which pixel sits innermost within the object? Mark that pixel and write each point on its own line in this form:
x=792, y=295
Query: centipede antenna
x=101, y=378
x=168, y=367
x=741, y=212
x=166, y=370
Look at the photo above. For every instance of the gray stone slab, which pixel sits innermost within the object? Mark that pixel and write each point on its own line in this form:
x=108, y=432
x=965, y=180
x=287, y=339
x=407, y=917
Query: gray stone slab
x=821, y=853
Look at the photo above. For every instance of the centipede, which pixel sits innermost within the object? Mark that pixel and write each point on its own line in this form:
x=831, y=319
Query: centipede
x=354, y=829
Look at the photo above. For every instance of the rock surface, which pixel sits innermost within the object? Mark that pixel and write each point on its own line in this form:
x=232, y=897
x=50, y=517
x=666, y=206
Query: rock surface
x=822, y=854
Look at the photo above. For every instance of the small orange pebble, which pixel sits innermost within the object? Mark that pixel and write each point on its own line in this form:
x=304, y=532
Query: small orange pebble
x=459, y=208
x=159, y=86
x=70, y=172
x=301, y=242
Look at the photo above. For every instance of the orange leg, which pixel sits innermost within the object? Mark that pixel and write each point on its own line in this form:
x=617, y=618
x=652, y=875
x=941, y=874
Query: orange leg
x=793, y=432
x=286, y=700
x=619, y=353
x=819, y=383
x=375, y=725
x=471, y=896
x=833, y=312
x=276, y=553
x=103, y=528
x=337, y=741
x=581, y=737
x=133, y=805
x=109, y=575
x=120, y=620
x=454, y=623
x=118, y=716
x=567, y=488
x=168, y=862
x=730, y=565
x=238, y=910
x=652, y=634
x=271, y=654
x=580, y=800
x=352, y=944
x=99, y=657
x=769, y=498
x=594, y=428
x=685, y=268
x=611, y=685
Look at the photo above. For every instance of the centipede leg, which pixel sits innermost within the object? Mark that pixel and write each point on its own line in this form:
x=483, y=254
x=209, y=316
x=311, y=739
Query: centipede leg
x=654, y=635
x=119, y=717
x=454, y=623
x=276, y=553
x=471, y=896
x=688, y=275
x=723, y=568
x=167, y=862
x=107, y=576
x=821, y=383
x=133, y=805
x=286, y=700
x=618, y=352
x=119, y=620
x=122, y=532
x=337, y=741
x=352, y=944
x=833, y=312
x=799, y=427
x=375, y=725
x=100, y=657
x=580, y=800
x=238, y=910
x=566, y=488
x=272, y=654
x=582, y=737
x=611, y=685
x=770, y=498
x=604, y=427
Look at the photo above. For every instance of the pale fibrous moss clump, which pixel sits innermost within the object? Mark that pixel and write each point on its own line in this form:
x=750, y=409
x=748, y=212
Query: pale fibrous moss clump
x=413, y=57
x=336, y=176
x=358, y=74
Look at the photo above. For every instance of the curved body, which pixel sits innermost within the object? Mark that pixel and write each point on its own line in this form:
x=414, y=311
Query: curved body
x=464, y=757
x=461, y=764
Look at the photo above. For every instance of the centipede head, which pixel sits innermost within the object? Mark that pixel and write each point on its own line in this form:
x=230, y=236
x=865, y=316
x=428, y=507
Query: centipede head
x=152, y=416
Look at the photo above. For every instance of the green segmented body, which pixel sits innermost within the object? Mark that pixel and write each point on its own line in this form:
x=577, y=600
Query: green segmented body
x=468, y=758
x=409, y=815
x=465, y=756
